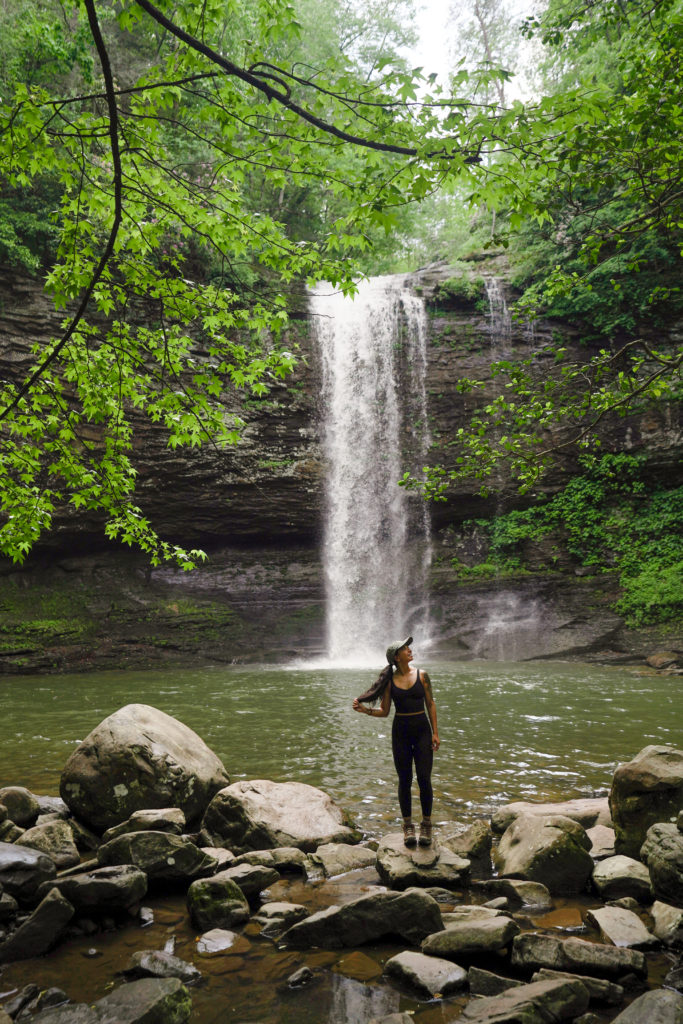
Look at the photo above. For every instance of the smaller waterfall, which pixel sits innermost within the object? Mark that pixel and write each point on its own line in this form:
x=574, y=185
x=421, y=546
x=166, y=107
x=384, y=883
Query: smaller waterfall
x=376, y=548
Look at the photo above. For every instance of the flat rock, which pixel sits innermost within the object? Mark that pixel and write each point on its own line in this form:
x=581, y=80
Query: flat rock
x=22, y=870
x=552, y=850
x=464, y=913
x=154, y=963
x=217, y=902
x=411, y=915
x=646, y=790
x=662, y=851
x=277, y=917
x=40, y=932
x=218, y=941
x=428, y=975
x=139, y=758
x=56, y=839
x=251, y=878
x=160, y=855
x=622, y=928
x=486, y=983
x=660, y=1006
x=601, y=991
x=619, y=876
x=147, y=1001
x=102, y=890
x=517, y=891
x=576, y=956
x=401, y=867
x=536, y=1003
x=158, y=819
x=602, y=841
x=668, y=923
x=338, y=858
x=587, y=811
x=470, y=938
x=282, y=858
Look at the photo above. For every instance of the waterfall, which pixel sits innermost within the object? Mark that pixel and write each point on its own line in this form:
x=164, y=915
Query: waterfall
x=376, y=549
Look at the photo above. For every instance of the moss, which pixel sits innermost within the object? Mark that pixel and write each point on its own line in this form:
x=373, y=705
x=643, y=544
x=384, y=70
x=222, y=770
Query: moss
x=462, y=292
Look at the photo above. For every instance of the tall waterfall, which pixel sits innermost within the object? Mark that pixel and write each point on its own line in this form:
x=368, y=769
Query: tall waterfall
x=376, y=548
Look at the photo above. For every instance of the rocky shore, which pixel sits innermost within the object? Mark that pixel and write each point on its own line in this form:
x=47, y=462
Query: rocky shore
x=476, y=924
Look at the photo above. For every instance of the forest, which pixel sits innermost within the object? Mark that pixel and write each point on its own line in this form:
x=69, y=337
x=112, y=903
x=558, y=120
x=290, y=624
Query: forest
x=178, y=173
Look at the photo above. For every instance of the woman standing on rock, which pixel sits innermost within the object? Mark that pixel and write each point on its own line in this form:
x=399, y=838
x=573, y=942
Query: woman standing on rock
x=412, y=739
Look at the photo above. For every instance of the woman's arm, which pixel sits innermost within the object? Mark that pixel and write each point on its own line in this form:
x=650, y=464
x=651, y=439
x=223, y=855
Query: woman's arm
x=431, y=710
x=382, y=711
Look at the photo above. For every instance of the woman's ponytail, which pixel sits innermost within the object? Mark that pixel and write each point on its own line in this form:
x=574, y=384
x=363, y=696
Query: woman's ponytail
x=377, y=689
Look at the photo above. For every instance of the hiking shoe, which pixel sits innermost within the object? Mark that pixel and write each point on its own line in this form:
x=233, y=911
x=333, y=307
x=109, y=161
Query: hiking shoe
x=425, y=833
x=409, y=835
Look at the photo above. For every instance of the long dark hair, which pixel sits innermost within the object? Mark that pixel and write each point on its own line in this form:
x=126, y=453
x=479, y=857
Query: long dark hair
x=377, y=689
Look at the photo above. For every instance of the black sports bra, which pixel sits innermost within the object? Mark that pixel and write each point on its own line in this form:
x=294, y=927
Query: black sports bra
x=410, y=701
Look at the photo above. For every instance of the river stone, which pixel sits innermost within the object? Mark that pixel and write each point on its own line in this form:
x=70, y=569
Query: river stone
x=9, y=832
x=621, y=876
x=147, y=1001
x=251, y=878
x=72, y=1013
x=471, y=842
x=551, y=850
x=54, y=838
x=661, y=1006
x=602, y=841
x=622, y=928
x=216, y=902
x=221, y=941
x=140, y=758
x=154, y=963
x=576, y=956
x=428, y=974
x=277, y=917
x=338, y=858
x=646, y=790
x=587, y=811
x=41, y=931
x=282, y=858
x=224, y=858
x=8, y=907
x=537, y=1003
x=162, y=819
x=160, y=855
x=668, y=923
x=410, y=915
x=22, y=870
x=108, y=889
x=260, y=815
x=606, y=993
x=465, y=912
x=486, y=983
x=674, y=979
x=401, y=868
x=518, y=892
x=22, y=806
x=52, y=805
x=662, y=851
x=471, y=938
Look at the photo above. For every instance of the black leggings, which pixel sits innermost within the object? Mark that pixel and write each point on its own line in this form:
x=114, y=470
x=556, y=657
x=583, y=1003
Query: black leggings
x=411, y=740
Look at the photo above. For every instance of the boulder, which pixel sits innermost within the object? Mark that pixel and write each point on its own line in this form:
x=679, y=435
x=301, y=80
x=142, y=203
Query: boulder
x=646, y=790
x=22, y=870
x=619, y=876
x=400, y=867
x=160, y=855
x=154, y=963
x=21, y=805
x=662, y=851
x=139, y=758
x=338, y=858
x=224, y=858
x=577, y=956
x=551, y=850
x=147, y=1001
x=52, y=805
x=602, y=841
x=54, y=838
x=282, y=858
x=41, y=931
x=471, y=938
x=519, y=893
x=277, y=917
x=668, y=923
x=622, y=928
x=661, y=1006
x=537, y=1003
x=260, y=814
x=601, y=991
x=470, y=842
x=587, y=811
x=428, y=975
x=161, y=819
x=486, y=983
x=251, y=878
x=102, y=890
x=216, y=902
x=409, y=915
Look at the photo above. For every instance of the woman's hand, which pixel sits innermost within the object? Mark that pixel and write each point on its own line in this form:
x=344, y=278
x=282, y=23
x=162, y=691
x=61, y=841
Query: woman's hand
x=436, y=742
x=357, y=706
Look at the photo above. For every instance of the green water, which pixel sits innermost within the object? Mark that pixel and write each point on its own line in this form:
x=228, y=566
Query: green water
x=508, y=731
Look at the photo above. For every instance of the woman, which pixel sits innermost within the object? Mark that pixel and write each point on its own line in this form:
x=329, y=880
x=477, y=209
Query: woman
x=412, y=739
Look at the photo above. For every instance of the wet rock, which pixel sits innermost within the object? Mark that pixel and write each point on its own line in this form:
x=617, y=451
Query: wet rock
x=622, y=928
x=21, y=805
x=154, y=963
x=428, y=975
x=103, y=890
x=359, y=966
x=41, y=931
x=43, y=1001
x=304, y=976
x=600, y=991
x=162, y=856
x=577, y=956
x=400, y=867
x=465, y=913
x=9, y=832
x=259, y=814
x=518, y=892
x=162, y=819
x=147, y=1001
x=139, y=758
x=471, y=938
x=662, y=659
x=486, y=983
x=674, y=979
x=218, y=941
x=646, y=790
x=472, y=843
x=551, y=850
x=13, y=1006
x=54, y=838
x=602, y=841
x=22, y=870
x=662, y=851
x=251, y=878
x=216, y=902
x=668, y=923
x=587, y=811
x=411, y=915
x=277, y=917
x=338, y=858
x=282, y=858
x=52, y=805
x=616, y=877
x=661, y=1006
x=536, y=1003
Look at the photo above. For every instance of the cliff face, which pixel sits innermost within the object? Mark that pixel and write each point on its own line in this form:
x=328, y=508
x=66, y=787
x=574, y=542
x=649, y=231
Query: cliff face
x=257, y=509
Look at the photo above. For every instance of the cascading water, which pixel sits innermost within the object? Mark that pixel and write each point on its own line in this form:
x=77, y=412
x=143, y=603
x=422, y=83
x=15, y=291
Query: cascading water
x=376, y=549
